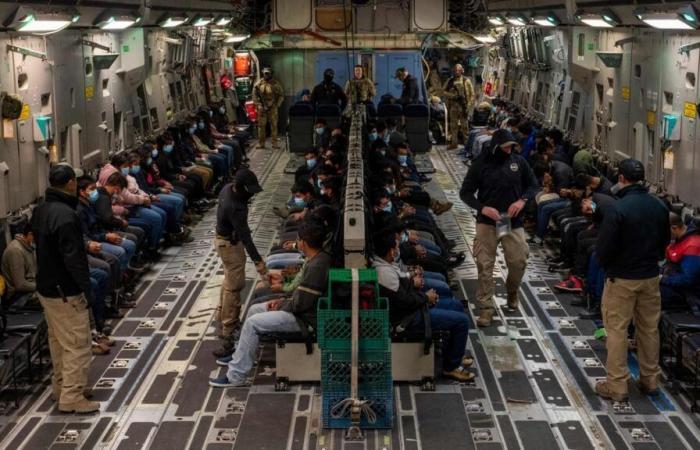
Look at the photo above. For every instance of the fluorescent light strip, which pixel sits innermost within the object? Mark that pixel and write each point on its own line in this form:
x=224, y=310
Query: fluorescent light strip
x=172, y=23
x=224, y=21
x=117, y=24
x=485, y=39
x=235, y=39
x=496, y=21
x=516, y=21
x=668, y=24
x=44, y=26
x=596, y=23
x=543, y=22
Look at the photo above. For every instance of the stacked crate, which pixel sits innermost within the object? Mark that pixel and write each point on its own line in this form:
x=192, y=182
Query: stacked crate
x=334, y=339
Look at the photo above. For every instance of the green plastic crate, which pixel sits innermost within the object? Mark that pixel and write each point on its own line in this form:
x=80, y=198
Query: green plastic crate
x=334, y=328
x=339, y=277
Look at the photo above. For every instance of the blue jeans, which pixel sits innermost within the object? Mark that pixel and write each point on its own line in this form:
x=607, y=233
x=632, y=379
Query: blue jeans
x=155, y=217
x=545, y=210
x=430, y=247
x=282, y=260
x=219, y=163
x=124, y=251
x=176, y=200
x=171, y=219
x=434, y=276
x=99, y=280
x=258, y=321
x=442, y=288
x=447, y=315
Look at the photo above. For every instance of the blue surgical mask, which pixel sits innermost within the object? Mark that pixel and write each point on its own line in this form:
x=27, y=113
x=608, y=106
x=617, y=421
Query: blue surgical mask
x=222, y=110
x=387, y=208
x=382, y=152
x=593, y=206
x=168, y=148
x=386, y=138
x=193, y=129
x=391, y=189
x=93, y=196
x=373, y=136
x=319, y=183
x=136, y=169
x=149, y=161
x=322, y=191
x=404, y=237
x=320, y=130
x=311, y=163
x=125, y=171
x=154, y=152
x=300, y=202
x=200, y=125
x=397, y=257
x=211, y=113
x=403, y=159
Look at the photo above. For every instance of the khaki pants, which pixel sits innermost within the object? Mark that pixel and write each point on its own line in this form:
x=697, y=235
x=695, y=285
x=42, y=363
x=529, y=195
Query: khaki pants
x=516, y=252
x=265, y=117
x=233, y=259
x=70, y=345
x=459, y=120
x=624, y=301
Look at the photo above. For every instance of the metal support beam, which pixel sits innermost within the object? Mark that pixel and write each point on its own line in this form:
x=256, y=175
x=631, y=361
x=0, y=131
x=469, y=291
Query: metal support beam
x=626, y=40
x=687, y=48
x=95, y=45
x=27, y=52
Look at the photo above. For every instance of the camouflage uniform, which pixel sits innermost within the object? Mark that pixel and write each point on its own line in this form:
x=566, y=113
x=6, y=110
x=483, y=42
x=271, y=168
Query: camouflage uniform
x=268, y=96
x=361, y=90
x=459, y=94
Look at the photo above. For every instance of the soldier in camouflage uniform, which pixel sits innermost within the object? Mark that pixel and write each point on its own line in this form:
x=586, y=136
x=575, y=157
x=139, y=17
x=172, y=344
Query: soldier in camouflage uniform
x=459, y=94
x=268, y=96
x=360, y=89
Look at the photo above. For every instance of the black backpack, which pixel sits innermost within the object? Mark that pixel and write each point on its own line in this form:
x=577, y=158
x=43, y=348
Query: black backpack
x=11, y=107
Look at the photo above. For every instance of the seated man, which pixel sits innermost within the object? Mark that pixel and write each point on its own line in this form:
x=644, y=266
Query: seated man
x=407, y=306
x=681, y=273
x=297, y=313
x=19, y=268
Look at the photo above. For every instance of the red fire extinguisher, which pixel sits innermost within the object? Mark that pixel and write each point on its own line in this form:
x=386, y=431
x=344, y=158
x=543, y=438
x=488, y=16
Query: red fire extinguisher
x=251, y=111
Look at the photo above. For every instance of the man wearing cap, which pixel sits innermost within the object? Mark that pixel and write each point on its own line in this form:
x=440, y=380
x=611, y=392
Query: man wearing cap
x=268, y=96
x=459, y=94
x=328, y=92
x=233, y=239
x=64, y=289
x=360, y=89
x=631, y=241
x=499, y=183
x=409, y=91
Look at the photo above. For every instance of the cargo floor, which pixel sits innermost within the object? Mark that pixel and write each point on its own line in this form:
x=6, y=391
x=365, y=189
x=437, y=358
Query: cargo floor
x=535, y=369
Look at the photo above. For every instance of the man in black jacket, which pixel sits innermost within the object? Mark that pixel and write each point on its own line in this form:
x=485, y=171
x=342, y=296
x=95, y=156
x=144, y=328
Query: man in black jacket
x=631, y=241
x=408, y=306
x=64, y=289
x=409, y=91
x=328, y=92
x=499, y=183
x=233, y=239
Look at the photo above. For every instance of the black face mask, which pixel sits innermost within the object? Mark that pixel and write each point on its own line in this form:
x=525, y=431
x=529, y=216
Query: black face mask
x=328, y=78
x=500, y=155
x=267, y=76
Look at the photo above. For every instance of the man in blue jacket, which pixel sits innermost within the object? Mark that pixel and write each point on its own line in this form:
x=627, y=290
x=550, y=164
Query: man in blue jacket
x=631, y=241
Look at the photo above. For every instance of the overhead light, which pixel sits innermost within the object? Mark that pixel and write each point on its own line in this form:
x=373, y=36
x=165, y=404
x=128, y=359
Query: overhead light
x=485, y=38
x=517, y=19
x=497, y=20
x=117, y=22
x=604, y=19
x=237, y=38
x=546, y=20
x=223, y=20
x=202, y=21
x=41, y=21
x=685, y=18
x=172, y=21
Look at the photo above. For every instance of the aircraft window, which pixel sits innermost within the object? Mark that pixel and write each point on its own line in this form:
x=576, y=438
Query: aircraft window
x=668, y=101
x=72, y=97
x=88, y=67
x=46, y=103
x=103, y=116
x=105, y=85
x=581, y=44
x=23, y=81
x=637, y=71
x=690, y=80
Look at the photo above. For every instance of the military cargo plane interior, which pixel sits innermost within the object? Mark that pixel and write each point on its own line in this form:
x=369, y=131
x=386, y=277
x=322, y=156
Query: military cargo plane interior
x=349, y=224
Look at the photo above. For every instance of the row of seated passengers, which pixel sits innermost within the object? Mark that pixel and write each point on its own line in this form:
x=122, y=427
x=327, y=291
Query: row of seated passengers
x=575, y=196
x=285, y=300
x=139, y=201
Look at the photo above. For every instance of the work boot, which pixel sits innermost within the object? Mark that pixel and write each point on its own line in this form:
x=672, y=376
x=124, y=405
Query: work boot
x=602, y=388
x=261, y=144
x=99, y=349
x=56, y=394
x=485, y=316
x=651, y=391
x=228, y=346
x=275, y=144
x=467, y=361
x=459, y=374
x=83, y=406
x=513, y=301
x=452, y=146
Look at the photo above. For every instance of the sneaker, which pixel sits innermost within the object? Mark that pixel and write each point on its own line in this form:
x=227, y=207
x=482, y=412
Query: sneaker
x=223, y=382
x=102, y=339
x=223, y=362
x=227, y=348
x=83, y=406
x=602, y=388
x=467, y=361
x=460, y=374
x=98, y=349
x=573, y=284
x=456, y=260
x=536, y=240
x=136, y=267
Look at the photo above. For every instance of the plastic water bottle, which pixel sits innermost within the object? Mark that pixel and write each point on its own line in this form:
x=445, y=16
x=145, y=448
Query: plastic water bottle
x=503, y=225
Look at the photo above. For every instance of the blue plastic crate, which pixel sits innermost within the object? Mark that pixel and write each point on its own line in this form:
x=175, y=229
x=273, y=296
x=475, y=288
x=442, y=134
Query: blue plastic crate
x=382, y=403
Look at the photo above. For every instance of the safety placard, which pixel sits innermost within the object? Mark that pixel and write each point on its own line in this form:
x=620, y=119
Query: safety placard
x=690, y=110
x=89, y=91
x=625, y=93
x=651, y=118
x=24, y=115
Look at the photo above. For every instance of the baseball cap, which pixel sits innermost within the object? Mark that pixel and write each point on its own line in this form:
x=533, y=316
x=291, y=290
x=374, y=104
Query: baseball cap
x=631, y=169
x=502, y=138
x=247, y=178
